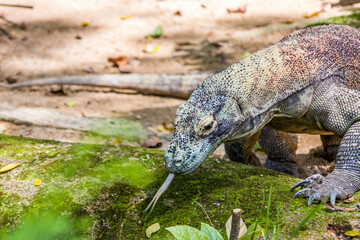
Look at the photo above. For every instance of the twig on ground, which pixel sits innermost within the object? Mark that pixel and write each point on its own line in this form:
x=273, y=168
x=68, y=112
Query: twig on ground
x=235, y=224
x=16, y=5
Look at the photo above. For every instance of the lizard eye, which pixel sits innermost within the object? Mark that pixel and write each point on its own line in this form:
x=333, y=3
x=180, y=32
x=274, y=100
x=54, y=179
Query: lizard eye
x=206, y=125
x=209, y=126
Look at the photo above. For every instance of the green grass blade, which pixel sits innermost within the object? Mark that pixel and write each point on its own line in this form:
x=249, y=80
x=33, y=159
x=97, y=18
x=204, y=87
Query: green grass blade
x=263, y=200
x=273, y=237
x=253, y=234
x=268, y=212
x=277, y=221
x=308, y=217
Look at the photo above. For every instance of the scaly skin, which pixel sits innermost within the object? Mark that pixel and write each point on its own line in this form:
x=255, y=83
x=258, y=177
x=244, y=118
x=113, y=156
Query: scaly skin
x=309, y=82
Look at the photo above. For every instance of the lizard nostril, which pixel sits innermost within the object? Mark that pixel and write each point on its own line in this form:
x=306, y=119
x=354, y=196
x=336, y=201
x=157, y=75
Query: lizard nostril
x=178, y=162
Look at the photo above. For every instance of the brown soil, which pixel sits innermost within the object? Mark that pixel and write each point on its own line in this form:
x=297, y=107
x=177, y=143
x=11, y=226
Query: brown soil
x=49, y=40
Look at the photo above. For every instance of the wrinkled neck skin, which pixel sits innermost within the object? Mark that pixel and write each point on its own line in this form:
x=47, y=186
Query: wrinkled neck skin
x=251, y=125
x=209, y=118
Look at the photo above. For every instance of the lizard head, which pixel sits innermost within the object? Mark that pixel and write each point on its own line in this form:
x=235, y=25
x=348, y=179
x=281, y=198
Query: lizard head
x=200, y=127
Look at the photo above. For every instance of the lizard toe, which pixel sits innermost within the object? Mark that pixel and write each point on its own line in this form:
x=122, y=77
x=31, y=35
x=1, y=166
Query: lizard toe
x=301, y=184
x=310, y=181
x=313, y=197
x=304, y=192
x=333, y=196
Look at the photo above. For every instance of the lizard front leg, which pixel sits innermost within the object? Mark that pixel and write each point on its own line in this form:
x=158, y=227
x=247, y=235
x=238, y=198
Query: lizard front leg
x=344, y=180
x=241, y=151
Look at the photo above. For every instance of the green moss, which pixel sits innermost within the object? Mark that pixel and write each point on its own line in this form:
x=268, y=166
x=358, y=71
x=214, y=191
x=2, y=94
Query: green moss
x=352, y=20
x=9, y=211
x=123, y=128
x=101, y=191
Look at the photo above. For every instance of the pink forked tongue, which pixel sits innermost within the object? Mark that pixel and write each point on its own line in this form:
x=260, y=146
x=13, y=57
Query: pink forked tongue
x=162, y=189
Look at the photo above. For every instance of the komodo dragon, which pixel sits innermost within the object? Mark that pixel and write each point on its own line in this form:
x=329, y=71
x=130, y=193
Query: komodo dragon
x=309, y=82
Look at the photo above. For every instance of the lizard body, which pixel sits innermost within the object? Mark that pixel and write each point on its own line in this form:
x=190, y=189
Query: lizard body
x=309, y=82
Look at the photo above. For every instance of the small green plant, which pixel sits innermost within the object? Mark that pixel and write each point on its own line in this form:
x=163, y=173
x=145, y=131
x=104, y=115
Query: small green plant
x=207, y=232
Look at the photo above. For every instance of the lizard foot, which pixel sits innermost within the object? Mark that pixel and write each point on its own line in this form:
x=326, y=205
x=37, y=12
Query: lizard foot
x=337, y=185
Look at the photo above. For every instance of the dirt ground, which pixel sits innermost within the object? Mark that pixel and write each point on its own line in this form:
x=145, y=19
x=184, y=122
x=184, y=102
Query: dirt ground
x=57, y=38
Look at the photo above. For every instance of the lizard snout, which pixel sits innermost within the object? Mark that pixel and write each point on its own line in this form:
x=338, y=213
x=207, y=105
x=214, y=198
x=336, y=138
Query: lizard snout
x=174, y=161
x=178, y=162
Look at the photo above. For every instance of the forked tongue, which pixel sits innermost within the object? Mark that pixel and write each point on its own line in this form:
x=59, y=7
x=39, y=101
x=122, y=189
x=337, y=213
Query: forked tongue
x=162, y=189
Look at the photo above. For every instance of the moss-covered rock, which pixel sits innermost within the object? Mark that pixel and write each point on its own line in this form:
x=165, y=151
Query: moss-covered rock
x=100, y=192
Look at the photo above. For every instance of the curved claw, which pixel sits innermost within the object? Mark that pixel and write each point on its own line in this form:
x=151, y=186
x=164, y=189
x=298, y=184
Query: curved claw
x=333, y=196
x=303, y=192
x=301, y=184
x=314, y=196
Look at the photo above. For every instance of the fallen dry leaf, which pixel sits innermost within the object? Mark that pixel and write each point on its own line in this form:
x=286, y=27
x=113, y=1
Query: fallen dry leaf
x=168, y=126
x=241, y=9
x=125, y=17
x=352, y=233
x=156, y=48
x=149, y=48
x=116, y=141
x=9, y=167
x=311, y=14
x=287, y=22
x=151, y=229
x=37, y=182
x=70, y=103
x=10, y=80
x=85, y=23
x=178, y=13
x=15, y=35
x=161, y=128
x=121, y=62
